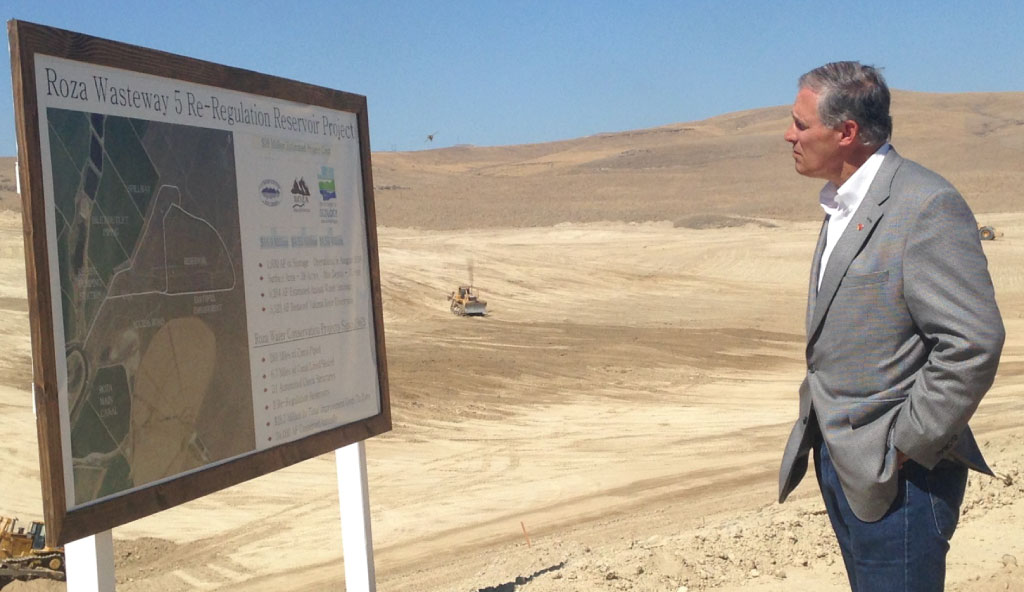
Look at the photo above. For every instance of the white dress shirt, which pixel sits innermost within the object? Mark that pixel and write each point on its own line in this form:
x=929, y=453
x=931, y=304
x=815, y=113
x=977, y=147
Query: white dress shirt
x=841, y=203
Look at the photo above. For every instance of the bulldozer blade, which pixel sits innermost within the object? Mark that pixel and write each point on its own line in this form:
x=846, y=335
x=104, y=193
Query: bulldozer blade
x=476, y=308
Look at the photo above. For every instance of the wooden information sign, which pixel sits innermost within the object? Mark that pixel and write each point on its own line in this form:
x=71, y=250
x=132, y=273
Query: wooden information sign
x=203, y=283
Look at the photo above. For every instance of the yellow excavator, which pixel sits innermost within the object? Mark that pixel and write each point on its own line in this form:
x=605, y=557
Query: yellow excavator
x=24, y=554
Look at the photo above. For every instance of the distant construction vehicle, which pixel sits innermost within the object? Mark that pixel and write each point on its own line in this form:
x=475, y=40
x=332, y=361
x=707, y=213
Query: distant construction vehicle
x=25, y=556
x=466, y=302
x=986, y=233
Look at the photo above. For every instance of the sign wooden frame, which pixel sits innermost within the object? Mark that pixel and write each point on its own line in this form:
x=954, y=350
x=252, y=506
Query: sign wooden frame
x=70, y=521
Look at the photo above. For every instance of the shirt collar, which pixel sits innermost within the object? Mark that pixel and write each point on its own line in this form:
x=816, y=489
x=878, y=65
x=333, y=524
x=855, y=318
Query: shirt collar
x=845, y=200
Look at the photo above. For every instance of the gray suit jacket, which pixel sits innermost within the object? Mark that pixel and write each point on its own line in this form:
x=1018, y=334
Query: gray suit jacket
x=903, y=339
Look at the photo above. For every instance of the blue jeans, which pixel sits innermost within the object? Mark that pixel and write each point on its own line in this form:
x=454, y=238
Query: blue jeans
x=906, y=549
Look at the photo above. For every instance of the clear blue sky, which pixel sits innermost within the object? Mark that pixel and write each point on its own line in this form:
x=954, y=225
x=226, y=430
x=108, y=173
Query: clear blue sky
x=505, y=72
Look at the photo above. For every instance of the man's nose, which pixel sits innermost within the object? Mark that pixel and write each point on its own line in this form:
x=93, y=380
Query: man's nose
x=789, y=136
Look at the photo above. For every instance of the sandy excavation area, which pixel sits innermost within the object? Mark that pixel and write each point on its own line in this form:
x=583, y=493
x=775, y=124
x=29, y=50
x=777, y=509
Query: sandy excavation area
x=616, y=421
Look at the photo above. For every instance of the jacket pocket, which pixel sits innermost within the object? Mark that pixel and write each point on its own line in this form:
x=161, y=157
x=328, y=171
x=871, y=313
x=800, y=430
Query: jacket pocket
x=866, y=279
x=871, y=409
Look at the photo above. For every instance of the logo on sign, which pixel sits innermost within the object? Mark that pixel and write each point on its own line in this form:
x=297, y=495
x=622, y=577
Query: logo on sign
x=300, y=195
x=299, y=187
x=326, y=181
x=270, y=192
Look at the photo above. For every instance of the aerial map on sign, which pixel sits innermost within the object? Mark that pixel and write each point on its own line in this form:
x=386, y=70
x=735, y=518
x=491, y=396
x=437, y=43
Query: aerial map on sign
x=152, y=298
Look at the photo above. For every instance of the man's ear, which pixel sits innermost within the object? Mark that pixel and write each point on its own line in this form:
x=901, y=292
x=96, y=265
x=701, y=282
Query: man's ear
x=849, y=130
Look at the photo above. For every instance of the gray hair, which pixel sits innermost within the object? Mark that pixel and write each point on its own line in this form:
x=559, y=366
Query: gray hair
x=852, y=91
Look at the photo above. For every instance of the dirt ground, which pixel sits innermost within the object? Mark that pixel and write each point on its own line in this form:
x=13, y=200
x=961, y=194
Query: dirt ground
x=615, y=423
x=623, y=405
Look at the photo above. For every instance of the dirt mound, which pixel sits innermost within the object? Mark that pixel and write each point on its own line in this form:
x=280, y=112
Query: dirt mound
x=38, y=585
x=711, y=221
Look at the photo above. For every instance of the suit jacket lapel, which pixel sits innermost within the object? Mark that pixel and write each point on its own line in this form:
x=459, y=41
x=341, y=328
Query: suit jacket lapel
x=856, y=234
x=812, y=289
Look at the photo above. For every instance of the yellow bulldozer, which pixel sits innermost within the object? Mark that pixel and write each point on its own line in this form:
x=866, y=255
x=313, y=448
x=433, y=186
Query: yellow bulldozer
x=24, y=554
x=466, y=302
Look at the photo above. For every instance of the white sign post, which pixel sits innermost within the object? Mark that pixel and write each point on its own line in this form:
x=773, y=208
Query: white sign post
x=354, y=499
x=90, y=563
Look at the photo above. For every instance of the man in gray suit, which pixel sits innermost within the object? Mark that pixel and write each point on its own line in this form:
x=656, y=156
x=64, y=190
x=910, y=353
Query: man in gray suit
x=903, y=338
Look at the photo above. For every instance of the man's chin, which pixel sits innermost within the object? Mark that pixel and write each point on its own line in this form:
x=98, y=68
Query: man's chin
x=802, y=170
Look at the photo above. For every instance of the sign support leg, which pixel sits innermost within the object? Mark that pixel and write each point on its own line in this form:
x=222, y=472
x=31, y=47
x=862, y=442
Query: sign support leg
x=90, y=563
x=354, y=498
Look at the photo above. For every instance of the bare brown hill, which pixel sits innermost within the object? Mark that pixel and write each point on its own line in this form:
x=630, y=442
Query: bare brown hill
x=715, y=172
x=8, y=187
x=733, y=165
